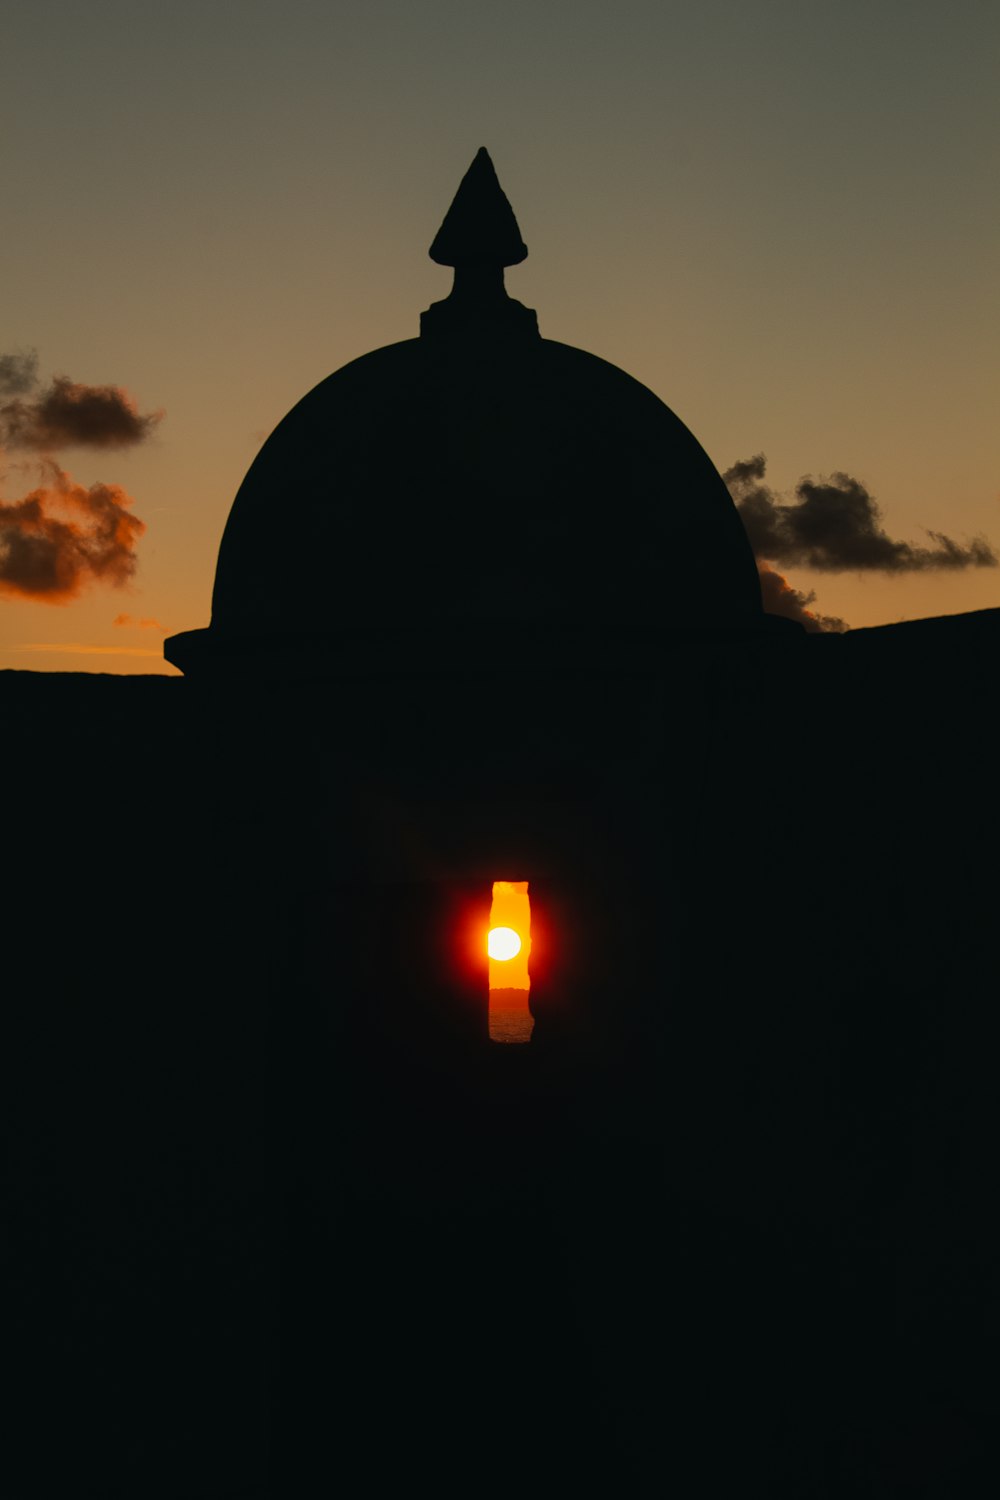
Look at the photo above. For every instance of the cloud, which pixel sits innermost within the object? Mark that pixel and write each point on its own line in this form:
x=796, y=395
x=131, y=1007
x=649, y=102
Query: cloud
x=835, y=527
x=68, y=414
x=79, y=648
x=781, y=599
x=147, y=623
x=62, y=537
x=18, y=372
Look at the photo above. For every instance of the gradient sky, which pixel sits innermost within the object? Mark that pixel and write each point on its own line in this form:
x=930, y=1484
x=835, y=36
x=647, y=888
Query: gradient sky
x=781, y=215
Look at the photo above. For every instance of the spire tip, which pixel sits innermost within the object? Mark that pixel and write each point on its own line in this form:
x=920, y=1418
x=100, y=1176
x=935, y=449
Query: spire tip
x=479, y=228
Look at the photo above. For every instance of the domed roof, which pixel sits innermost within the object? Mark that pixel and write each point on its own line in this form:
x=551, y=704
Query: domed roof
x=477, y=475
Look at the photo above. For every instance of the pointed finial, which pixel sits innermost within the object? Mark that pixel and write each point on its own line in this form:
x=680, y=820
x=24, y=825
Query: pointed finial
x=479, y=228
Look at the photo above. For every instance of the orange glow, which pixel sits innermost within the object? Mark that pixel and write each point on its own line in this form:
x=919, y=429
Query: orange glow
x=510, y=1018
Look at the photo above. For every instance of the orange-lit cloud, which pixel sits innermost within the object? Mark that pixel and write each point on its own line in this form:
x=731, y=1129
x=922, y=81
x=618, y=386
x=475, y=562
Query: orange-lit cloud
x=835, y=526
x=63, y=536
x=781, y=599
x=146, y=623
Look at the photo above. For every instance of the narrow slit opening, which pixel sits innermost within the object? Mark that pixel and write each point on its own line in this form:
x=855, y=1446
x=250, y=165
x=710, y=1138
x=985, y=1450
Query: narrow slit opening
x=509, y=948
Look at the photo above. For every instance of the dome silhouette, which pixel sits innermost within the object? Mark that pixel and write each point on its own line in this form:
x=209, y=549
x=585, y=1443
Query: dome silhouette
x=477, y=474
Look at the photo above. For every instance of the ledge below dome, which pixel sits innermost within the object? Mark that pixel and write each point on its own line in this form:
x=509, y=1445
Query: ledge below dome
x=214, y=654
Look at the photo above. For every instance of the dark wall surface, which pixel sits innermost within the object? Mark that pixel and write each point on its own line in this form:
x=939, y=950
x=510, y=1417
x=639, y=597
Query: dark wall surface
x=279, y=1214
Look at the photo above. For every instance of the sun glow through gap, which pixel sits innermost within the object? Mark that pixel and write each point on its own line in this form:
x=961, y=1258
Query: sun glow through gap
x=509, y=946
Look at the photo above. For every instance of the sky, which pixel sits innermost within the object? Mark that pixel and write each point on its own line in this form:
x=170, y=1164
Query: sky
x=780, y=215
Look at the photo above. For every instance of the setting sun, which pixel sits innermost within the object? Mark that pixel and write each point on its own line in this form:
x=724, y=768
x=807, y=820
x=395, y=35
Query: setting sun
x=503, y=944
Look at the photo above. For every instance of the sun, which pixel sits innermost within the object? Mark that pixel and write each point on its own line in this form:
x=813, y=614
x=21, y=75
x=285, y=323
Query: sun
x=503, y=943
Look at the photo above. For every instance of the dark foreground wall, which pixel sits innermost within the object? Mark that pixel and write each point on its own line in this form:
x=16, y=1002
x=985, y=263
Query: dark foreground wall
x=280, y=1215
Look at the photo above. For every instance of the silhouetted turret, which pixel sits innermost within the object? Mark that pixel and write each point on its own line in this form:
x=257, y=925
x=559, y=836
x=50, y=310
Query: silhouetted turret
x=282, y=1213
x=442, y=486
